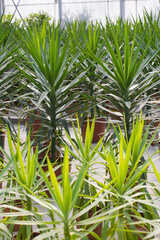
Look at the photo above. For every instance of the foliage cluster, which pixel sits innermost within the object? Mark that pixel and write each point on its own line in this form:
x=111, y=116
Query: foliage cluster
x=49, y=75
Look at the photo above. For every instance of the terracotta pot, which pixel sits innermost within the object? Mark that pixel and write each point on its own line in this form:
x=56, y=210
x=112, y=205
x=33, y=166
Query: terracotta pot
x=111, y=110
x=45, y=146
x=34, y=234
x=18, y=204
x=97, y=230
x=58, y=173
x=57, y=165
x=99, y=129
x=73, y=108
x=35, y=128
x=140, y=228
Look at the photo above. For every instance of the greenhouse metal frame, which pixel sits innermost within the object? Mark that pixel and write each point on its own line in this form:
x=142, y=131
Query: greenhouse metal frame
x=60, y=5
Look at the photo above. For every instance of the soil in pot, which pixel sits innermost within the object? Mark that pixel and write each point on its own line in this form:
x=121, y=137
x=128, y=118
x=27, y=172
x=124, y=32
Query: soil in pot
x=99, y=129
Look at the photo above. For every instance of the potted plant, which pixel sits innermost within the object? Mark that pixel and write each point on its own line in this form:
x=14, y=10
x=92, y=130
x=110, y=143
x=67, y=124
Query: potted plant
x=129, y=191
x=83, y=152
x=65, y=196
x=22, y=166
x=90, y=94
x=48, y=65
x=125, y=80
x=7, y=77
x=5, y=167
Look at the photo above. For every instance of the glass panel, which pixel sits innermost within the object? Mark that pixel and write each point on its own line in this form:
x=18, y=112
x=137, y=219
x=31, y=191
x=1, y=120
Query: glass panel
x=130, y=9
x=89, y=9
x=86, y=10
x=114, y=9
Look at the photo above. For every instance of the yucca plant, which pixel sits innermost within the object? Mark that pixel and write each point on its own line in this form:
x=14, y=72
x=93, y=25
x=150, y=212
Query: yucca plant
x=66, y=194
x=124, y=165
x=24, y=178
x=93, y=44
x=118, y=26
x=140, y=141
x=84, y=152
x=152, y=112
x=7, y=76
x=75, y=32
x=49, y=62
x=65, y=198
x=125, y=81
x=5, y=233
x=155, y=189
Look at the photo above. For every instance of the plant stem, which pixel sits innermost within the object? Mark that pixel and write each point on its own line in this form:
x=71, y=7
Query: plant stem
x=92, y=79
x=86, y=185
x=126, y=121
x=66, y=232
x=53, y=124
x=54, y=225
x=29, y=218
x=1, y=143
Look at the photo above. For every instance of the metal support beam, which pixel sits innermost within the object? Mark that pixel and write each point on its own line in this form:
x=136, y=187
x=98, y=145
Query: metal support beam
x=122, y=9
x=136, y=9
x=60, y=9
x=1, y=7
x=108, y=8
x=16, y=9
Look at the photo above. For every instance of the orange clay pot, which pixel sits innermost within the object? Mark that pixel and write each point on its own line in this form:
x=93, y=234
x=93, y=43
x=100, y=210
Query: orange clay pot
x=99, y=129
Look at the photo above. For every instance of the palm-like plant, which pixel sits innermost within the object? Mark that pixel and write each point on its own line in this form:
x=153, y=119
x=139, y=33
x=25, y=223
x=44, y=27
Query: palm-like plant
x=84, y=152
x=128, y=189
x=23, y=179
x=93, y=44
x=4, y=231
x=125, y=81
x=139, y=141
x=7, y=75
x=48, y=64
x=155, y=189
x=66, y=194
x=152, y=29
